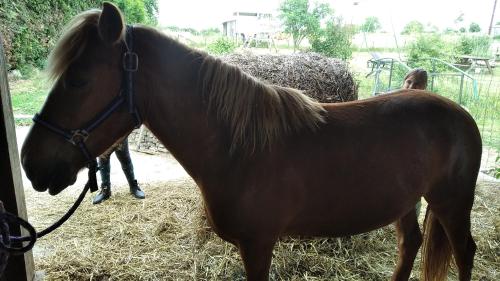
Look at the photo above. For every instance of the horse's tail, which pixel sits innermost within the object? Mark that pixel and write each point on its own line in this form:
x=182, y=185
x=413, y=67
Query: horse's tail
x=436, y=250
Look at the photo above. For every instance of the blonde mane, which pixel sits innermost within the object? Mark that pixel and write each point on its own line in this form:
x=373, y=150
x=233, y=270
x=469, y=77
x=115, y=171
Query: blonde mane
x=257, y=114
x=72, y=42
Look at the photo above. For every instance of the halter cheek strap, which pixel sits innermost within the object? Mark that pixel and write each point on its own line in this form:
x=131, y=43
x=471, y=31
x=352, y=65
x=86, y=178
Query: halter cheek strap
x=130, y=65
x=78, y=137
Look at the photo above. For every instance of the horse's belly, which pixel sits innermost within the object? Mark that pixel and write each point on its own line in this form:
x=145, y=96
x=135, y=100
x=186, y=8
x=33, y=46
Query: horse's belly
x=349, y=216
x=335, y=228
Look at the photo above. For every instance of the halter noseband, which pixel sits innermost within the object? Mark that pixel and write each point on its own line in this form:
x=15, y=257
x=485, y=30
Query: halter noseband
x=77, y=137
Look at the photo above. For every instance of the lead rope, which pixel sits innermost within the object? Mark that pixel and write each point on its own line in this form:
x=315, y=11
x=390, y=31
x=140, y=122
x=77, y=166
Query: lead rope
x=6, y=217
x=4, y=240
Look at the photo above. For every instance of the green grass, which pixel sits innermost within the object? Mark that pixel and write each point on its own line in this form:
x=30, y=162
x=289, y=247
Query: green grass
x=484, y=105
x=27, y=97
x=365, y=86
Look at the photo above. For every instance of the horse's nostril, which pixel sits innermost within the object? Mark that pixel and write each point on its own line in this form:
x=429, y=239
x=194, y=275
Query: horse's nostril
x=37, y=185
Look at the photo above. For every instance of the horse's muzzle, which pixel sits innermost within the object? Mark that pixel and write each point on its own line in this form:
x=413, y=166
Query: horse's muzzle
x=53, y=178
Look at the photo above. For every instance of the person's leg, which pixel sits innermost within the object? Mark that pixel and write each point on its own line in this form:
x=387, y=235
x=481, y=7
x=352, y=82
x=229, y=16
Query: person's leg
x=123, y=155
x=104, y=170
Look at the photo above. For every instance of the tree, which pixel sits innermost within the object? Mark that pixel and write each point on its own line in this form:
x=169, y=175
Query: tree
x=371, y=24
x=413, y=27
x=139, y=11
x=300, y=20
x=152, y=11
x=334, y=40
x=474, y=27
x=473, y=45
x=29, y=33
x=428, y=46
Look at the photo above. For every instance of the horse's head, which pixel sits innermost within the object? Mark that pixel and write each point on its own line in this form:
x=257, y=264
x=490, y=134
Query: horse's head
x=86, y=66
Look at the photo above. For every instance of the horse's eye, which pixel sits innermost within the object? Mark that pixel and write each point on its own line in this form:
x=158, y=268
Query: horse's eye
x=76, y=82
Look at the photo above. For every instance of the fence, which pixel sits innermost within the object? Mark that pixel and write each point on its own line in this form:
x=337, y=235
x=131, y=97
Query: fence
x=477, y=92
x=388, y=74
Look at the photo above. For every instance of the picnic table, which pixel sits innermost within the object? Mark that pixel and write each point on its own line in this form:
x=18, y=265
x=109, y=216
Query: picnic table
x=476, y=62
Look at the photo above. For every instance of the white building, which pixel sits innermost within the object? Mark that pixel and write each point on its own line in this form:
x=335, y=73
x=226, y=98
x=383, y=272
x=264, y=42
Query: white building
x=242, y=26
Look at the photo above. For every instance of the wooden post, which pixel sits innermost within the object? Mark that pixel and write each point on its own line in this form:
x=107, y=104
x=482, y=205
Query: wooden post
x=490, y=28
x=19, y=268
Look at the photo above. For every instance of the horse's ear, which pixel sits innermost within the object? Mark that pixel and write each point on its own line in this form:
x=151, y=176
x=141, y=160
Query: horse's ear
x=111, y=24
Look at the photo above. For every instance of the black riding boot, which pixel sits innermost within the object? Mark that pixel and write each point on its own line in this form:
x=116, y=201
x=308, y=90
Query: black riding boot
x=104, y=169
x=123, y=155
x=136, y=191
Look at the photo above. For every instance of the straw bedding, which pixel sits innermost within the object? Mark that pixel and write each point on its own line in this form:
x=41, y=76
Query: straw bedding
x=165, y=237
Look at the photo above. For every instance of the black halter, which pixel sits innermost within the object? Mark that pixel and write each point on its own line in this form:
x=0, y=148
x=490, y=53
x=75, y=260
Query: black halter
x=77, y=137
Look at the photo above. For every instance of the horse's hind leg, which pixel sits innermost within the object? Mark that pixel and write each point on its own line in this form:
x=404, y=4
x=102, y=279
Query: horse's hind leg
x=452, y=205
x=256, y=254
x=456, y=224
x=409, y=241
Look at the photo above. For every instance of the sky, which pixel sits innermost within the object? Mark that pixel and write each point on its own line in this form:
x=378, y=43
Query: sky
x=393, y=14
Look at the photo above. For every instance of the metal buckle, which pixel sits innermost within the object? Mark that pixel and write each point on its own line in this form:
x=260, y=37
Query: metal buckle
x=130, y=61
x=78, y=136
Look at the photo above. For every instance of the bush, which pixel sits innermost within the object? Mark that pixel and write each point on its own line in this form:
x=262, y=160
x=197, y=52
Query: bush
x=474, y=46
x=428, y=46
x=221, y=46
x=474, y=27
x=413, y=27
x=371, y=25
x=333, y=41
x=30, y=27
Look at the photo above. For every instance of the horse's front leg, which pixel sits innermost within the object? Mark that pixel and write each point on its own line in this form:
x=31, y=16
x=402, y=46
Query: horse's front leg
x=256, y=253
x=409, y=240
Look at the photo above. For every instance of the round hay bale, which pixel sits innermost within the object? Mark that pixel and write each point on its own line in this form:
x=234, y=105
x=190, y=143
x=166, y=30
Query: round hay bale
x=324, y=79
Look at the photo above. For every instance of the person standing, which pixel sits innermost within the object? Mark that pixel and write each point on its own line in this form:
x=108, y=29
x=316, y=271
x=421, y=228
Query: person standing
x=123, y=154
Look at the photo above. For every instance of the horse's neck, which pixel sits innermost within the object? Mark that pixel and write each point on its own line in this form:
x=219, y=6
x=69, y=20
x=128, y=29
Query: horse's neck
x=172, y=106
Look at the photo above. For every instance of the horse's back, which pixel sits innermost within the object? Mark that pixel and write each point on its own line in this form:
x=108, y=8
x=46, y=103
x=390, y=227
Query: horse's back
x=412, y=122
x=372, y=160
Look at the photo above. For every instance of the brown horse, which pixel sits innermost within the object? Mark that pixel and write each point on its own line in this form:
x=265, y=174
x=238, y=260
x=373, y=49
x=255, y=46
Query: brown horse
x=269, y=161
